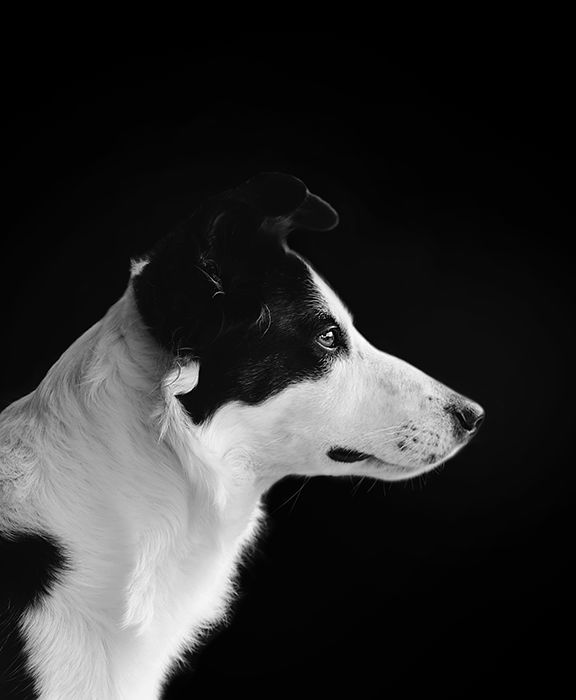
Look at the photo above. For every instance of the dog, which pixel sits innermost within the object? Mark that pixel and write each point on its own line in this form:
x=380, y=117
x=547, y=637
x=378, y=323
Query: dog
x=131, y=479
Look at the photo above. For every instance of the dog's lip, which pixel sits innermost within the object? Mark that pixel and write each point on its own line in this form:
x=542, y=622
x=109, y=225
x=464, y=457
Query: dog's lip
x=347, y=455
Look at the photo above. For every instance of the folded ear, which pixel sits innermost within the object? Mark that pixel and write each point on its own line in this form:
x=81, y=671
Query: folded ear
x=285, y=203
x=197, y=279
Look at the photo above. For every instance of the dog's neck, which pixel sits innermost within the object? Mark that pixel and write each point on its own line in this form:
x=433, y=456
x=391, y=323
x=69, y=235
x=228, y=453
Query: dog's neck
x=152, y=519
x=121, y=384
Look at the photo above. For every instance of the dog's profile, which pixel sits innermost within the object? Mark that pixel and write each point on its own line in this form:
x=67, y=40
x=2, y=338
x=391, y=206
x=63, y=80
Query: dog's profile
x=131, y=478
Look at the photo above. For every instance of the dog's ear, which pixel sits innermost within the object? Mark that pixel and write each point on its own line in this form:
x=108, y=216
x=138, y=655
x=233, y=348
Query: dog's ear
x=285, y=203
x=199, y=278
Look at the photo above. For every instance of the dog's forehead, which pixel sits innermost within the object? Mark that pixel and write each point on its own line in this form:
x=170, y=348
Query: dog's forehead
x=293, y=285
x=332, y=302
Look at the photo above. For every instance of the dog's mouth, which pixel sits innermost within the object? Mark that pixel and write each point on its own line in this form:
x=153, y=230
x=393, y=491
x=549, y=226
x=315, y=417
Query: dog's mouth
x=387, y=470
x=344, y=454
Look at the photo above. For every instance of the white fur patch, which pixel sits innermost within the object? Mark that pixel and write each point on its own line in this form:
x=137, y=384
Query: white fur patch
x=136, y=266
x=156, y=512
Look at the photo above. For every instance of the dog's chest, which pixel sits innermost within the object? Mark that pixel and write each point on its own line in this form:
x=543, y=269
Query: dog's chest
x=189, y=591
x=193, y=583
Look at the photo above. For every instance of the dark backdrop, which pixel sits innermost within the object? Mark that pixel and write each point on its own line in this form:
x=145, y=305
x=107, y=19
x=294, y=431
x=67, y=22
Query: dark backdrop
x=452, y=175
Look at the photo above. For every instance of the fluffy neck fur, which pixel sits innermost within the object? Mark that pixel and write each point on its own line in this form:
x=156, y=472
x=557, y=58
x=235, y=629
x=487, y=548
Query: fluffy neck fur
x=152, y=519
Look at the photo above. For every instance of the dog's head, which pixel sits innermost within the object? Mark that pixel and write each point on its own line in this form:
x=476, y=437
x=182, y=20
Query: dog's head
x=282, y=383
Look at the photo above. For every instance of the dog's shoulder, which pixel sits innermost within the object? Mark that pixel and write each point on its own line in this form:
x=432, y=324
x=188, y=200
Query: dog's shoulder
x=18, y=462
x=31, y=560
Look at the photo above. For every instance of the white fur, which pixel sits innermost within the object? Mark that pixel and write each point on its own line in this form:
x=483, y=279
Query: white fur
x=155, y=512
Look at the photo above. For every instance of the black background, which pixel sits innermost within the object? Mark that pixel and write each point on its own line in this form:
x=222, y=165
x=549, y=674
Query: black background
x=451, y=172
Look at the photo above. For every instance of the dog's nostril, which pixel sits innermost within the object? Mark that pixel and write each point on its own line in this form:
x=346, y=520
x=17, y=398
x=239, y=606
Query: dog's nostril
x=479, y=420
x=469, y=418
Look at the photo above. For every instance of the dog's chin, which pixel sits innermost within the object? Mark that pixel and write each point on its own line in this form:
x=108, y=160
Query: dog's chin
x=386, y=471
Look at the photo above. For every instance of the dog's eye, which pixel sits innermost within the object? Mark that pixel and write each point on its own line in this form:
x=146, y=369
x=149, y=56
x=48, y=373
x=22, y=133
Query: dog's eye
x=329, y=339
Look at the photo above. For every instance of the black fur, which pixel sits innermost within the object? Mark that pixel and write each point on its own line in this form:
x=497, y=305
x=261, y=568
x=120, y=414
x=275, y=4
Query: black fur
x=225, y=290
x=31, y=563
x=251, y=362
x=345, y=454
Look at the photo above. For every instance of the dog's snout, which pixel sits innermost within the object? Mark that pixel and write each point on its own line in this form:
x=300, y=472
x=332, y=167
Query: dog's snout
x=467, y=416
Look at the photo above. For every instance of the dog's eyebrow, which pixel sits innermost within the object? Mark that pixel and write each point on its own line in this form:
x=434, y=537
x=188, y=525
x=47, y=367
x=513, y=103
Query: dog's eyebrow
x=324, y=311
x=319, y=297
x=326, y=318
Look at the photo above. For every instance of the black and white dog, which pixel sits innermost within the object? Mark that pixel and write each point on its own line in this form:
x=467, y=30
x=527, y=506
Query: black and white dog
x=131, y=478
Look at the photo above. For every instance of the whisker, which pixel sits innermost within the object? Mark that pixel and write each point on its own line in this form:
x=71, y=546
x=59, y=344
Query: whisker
x=388, y=427
x=390, y=439
x=393, y=429
x=306, y=480
x=295, y=495
x=373, y=484
x=358, y=484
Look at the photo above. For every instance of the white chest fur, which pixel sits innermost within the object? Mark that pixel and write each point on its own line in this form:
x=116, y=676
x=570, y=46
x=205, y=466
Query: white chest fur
x=153, y=521
x=189, y=594
x=81, y=646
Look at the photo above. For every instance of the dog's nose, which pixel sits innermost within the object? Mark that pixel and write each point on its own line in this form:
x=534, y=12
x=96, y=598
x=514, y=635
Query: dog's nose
x=468, y=416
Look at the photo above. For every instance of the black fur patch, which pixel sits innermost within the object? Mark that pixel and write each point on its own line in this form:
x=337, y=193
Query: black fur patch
x=30, y=565
x=345, y=454
x=254, y=360
x=226, y=291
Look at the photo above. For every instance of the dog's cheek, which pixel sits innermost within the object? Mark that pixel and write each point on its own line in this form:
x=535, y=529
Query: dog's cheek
x=300, y=433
